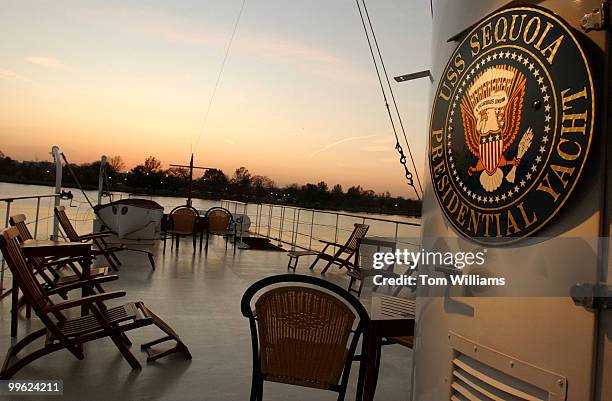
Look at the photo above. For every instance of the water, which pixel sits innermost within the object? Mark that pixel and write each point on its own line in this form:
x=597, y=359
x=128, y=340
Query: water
x=294, y=226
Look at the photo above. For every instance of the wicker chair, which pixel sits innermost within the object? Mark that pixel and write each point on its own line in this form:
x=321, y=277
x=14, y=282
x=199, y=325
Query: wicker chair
x=219, y=221
x=181, y=221
x=70, y=333
x=304, y=331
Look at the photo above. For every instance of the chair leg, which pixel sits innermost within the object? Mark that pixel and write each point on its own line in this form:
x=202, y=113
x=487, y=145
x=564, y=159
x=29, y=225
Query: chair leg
x=126, y=340
x=129, y=357
x=9, y=369
x=261, y=385
x=294, y=266
x=327, y=266
x=313, y=263
x=360, y=287
x=207, y=236
x=254, y=389
x=178, y=241
x=350, y=286
x=194, y=242
x=165, y=235
x=114, y=256
x=151, y=260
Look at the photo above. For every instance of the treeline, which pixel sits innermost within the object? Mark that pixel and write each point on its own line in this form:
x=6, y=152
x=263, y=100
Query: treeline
x=150, y=178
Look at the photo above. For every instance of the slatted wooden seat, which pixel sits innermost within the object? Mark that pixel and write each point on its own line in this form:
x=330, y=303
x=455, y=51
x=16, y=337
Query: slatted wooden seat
x=89, y=323
x=61, y=332
x=98, y=239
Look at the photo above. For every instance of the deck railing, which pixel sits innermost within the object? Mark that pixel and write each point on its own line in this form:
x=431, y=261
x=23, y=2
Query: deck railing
x=303, y=227
x=7, y=202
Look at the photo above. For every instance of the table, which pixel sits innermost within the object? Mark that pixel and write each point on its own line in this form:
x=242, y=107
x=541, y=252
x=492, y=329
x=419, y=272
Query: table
x=389, y=317
x=56, y=249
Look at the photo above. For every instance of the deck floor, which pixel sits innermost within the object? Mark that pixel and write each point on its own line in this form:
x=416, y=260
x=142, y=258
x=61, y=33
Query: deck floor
x=200, y=297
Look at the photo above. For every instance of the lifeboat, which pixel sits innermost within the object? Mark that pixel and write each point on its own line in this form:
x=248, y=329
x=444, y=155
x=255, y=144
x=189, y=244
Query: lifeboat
x=131, y=219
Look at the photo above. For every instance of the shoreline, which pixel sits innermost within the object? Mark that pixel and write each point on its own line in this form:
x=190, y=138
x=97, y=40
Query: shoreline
x=215, y=197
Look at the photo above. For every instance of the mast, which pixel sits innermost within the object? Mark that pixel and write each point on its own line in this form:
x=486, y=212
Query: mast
x=190, y=166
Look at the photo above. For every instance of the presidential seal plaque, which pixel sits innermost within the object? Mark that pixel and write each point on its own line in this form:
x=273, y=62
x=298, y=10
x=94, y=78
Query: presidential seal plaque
x=511, y=125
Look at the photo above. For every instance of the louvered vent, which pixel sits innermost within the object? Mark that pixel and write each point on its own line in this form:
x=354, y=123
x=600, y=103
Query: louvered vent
x=480, y=373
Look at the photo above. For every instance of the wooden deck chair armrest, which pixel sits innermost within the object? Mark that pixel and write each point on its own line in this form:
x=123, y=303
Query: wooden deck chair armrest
x=88, y=300
x=82, y=283
x=63, y=261
x=330, y=243
x=87, y=237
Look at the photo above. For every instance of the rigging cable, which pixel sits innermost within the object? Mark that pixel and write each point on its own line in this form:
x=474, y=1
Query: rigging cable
x=76, y=180
x=214, y=92
x=398, y=146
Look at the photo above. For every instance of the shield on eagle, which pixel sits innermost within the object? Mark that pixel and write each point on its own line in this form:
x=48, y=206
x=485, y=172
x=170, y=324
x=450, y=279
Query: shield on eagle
x=491, y=148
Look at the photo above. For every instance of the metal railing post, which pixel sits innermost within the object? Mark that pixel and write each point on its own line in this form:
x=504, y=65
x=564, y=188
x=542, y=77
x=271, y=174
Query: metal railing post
x=297, y=227
x=311, y=228
x=336, y=230
x=37, y=214
x=395, y=237
x=6, y=223
x=293, y=231
x=282, y=224
x=269, y=219
x=257, y=218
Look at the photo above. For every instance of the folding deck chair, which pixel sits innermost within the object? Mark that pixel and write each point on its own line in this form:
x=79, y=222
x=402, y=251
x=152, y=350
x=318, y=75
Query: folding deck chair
x=61, y=332
x=103, y=248
x=55, y=272
x=341, y=257
x=49, y=269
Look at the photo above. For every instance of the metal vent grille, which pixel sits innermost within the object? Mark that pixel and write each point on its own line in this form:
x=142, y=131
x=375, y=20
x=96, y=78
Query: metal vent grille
x=474, y=381
x=479, y=373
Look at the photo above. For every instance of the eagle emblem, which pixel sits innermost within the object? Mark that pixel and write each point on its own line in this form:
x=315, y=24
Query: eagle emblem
x=491, y=111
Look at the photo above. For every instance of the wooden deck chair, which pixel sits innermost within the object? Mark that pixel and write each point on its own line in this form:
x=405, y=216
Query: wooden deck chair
x=54, y=273
x=341, y=257
x=304, y=332
x=98, y=239
x=61, y=332
x=49, y=269
x=219, y=221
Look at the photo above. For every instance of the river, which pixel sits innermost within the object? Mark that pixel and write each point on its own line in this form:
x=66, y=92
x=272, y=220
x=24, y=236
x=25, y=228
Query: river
x=277, y=222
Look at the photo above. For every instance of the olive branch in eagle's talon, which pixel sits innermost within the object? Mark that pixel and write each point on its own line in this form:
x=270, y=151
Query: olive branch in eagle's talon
x=523, y=146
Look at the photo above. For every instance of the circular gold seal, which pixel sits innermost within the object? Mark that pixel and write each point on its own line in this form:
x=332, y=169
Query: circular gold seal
x=511, y=125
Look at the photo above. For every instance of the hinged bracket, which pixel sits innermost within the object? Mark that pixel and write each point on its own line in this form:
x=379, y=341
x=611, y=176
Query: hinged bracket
x=596, y=20
x=592, y=296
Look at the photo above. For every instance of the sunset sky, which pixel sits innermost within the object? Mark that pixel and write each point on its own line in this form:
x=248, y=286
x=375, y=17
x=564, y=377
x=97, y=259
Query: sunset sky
x=298, y=100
